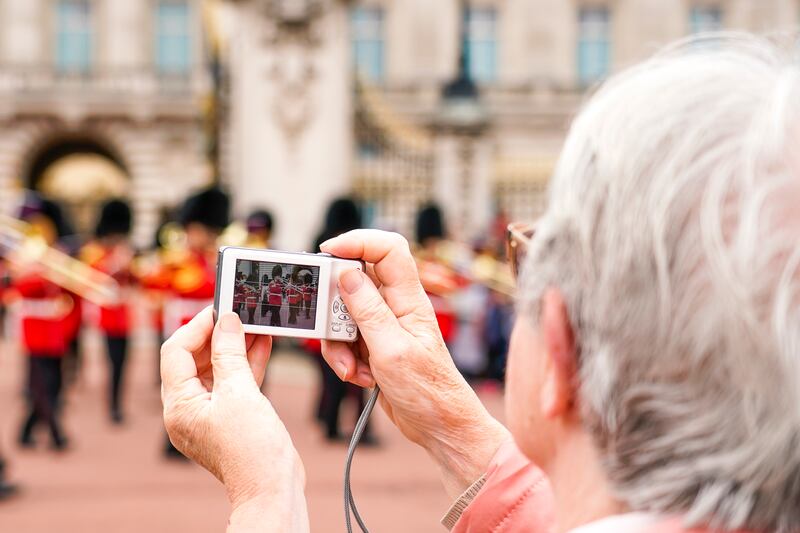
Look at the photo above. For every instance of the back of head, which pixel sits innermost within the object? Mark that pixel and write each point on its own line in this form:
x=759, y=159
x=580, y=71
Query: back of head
x=259, y=220
x=672, y=231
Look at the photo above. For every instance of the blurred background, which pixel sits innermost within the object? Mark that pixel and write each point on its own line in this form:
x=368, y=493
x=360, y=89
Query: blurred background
x=440, y=119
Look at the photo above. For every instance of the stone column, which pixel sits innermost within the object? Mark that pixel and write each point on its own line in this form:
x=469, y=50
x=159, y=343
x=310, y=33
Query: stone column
x=463, y=182
x=291, y=112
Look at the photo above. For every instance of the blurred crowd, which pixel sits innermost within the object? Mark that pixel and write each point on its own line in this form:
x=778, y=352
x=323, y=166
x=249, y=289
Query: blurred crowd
x=56, y=282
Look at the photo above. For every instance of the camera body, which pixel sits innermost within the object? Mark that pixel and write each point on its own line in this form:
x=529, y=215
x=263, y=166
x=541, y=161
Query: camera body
x=286, y=294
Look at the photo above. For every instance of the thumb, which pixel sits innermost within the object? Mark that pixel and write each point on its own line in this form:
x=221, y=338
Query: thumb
x=228, y=350
x=375, y=320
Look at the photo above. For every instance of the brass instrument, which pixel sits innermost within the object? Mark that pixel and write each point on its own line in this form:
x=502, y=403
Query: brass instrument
x=23, y=248
x=450, y=265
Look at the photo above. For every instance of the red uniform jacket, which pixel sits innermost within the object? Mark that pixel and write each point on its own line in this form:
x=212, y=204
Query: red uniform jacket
x=48, y=316
x=293, y=295
x=191, y=288
x=308, y=292
x=251, y=296
x=275, y=293
x=115, y=319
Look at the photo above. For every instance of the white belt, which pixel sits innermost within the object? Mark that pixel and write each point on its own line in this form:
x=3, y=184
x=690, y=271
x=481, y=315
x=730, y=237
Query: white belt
x=42, y=308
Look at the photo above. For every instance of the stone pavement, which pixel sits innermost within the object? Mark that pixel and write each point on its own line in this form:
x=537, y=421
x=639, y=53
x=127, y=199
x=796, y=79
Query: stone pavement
x=113, y=479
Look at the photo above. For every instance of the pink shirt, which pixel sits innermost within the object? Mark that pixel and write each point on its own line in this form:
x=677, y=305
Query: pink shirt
x=516, y=497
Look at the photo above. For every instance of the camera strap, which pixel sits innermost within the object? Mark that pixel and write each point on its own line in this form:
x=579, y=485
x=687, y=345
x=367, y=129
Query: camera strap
x=349, y=501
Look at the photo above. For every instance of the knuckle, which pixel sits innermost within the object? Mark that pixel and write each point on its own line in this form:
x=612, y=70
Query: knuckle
x=399, y=241
x=167, y=347
x=373, y=309
x=395, y=353
x=229, y=351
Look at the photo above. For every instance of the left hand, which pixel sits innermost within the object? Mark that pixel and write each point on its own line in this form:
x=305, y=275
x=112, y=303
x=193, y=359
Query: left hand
x=216, y=414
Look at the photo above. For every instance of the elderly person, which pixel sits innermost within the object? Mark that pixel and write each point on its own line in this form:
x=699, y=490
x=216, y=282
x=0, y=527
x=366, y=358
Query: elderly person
x=653, y=378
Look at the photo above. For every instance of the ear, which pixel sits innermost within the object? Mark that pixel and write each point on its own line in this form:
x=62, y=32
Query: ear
x=557, y=393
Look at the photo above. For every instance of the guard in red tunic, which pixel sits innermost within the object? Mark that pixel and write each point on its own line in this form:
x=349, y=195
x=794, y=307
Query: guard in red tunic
x=111, y=252
x=275, y=296
x=6, y=489
x=47, y=329
x=308, y=294
x=293, y=297
x=191, y=273
x=251, y=294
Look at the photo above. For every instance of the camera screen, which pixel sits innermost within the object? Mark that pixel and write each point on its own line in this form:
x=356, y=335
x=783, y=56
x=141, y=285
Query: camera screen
x=282, y=295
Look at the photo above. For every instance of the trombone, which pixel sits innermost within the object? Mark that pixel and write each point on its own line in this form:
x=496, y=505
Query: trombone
x=22, y=248
x=451, y=265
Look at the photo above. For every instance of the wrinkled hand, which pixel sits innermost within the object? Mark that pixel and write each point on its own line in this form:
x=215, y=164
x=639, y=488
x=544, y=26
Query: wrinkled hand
x=216, y=415
x=400, y=347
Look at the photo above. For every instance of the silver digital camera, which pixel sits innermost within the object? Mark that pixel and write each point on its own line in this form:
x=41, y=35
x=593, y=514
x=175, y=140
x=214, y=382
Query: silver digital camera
x=286, y=294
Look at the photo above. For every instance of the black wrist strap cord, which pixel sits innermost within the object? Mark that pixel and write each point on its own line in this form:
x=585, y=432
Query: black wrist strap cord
x=349, y=501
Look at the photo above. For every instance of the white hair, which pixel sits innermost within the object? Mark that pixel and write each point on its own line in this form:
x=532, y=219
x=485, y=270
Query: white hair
x=673, y=232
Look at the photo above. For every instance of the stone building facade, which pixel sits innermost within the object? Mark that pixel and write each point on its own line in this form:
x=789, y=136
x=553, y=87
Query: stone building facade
x=119, y=78
x=534, y=61
x=326, y=96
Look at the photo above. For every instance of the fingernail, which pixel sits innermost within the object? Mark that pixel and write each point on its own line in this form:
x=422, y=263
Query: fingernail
x=342, y=371
x=230, y=323
x=351, y=281
x=327, y=243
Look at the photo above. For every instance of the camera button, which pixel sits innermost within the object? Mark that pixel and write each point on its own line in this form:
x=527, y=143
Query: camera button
x=344, y=317
x=351, y=329
x=344, y=309
x=335, y=306
x=336, y=328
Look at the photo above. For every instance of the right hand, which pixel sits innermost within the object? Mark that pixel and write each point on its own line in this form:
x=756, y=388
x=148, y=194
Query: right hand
x=401, y=349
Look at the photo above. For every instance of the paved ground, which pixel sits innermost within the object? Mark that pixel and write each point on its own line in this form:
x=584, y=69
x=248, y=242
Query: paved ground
x=113, y=479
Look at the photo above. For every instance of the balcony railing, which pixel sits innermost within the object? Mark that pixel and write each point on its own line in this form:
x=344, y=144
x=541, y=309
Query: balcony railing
x=38, y=81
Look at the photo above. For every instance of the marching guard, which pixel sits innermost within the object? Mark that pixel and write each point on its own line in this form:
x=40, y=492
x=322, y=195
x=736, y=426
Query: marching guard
x=293, y=297
x=111, y=252
x=275, y=296
x=187, y=278
x=48, y=328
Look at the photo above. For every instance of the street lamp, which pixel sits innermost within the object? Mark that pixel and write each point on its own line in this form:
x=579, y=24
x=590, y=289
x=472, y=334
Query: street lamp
x=461, y=183
x=460, y=107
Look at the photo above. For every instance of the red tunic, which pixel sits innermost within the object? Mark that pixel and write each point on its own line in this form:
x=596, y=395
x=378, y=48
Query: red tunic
x=47, y=313
x=114, y=319
x=275, y=293
x=251, y=296
x=191, y=289
x=308, y=292
x=293, y=295
x=275, y=290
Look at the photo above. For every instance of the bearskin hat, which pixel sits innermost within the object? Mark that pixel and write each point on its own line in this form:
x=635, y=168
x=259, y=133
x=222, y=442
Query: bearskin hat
x=210, y=208
x=430, y=224
x=115, y=219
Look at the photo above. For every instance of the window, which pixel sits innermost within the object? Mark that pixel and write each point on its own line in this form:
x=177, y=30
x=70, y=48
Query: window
x=704, y=19
x=173, y=46
x=594, y=44
x=481, y=26
x=366, y=25
x=73, y=36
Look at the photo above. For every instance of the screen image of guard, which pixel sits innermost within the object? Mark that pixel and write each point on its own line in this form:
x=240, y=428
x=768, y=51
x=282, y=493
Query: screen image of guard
x=276, y=294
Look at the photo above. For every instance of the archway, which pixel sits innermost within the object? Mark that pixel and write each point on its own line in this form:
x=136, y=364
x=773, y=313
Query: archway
x=80, y=173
